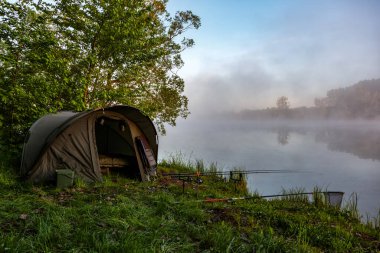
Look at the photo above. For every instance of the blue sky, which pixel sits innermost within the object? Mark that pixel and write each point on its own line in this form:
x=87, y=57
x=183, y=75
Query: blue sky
x=248, y=53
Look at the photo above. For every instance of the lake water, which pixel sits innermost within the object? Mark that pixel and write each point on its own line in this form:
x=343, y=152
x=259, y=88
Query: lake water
x=340, y=156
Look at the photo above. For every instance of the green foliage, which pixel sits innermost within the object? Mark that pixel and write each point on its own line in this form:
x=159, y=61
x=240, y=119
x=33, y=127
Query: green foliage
x=31, y=69
x=79, y=54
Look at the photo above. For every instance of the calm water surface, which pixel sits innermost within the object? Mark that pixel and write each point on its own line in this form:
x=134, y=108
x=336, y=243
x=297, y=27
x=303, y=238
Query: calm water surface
x=343, y=156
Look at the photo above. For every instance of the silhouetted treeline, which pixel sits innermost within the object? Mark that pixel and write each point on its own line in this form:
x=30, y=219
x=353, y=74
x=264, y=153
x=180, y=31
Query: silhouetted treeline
x=361, y=100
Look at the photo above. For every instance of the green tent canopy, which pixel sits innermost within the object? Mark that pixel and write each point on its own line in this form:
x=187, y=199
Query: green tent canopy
x=91, y=143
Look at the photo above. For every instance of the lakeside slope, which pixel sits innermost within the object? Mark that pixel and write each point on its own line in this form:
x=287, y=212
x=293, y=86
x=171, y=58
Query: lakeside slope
x=123, y=215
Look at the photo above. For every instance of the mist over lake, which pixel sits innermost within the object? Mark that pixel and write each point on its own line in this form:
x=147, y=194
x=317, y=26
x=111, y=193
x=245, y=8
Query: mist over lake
x=333, y=155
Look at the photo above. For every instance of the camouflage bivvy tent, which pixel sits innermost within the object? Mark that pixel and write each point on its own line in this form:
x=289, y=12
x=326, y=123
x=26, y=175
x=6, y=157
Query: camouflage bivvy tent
x=91, y=143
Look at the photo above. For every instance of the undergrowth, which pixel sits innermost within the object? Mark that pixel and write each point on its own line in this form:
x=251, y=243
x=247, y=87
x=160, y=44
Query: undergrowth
x=123, y=215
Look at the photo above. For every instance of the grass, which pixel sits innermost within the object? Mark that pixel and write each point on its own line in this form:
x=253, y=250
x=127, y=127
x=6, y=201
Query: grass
x=352, y=206
x=122, y=215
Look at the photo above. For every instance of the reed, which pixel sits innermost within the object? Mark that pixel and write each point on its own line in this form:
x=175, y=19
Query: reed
x=294, y=194
x=374, y=222
x=351, y=206
x=318, y=196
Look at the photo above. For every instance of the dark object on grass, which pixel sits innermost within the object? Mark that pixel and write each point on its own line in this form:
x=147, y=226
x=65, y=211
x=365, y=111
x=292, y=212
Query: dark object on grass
x=65, y=178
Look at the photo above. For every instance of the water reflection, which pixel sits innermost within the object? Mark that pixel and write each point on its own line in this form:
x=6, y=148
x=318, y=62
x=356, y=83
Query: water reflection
x=337, y=155
x=283, y=135
x=363, y=143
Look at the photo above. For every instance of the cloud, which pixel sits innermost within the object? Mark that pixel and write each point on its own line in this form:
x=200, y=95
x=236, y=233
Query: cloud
x=299, y=50
x=230, y=86
x=256, y=78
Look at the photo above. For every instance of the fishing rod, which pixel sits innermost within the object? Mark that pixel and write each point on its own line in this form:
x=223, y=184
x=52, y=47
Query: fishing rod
x=236, y=176
x=333, y=198
x=232, y=199
x=226, y=173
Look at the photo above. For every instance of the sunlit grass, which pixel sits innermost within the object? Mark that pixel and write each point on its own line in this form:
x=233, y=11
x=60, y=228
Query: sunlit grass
x=123, y=215
x=295, y=194
x=179, y=162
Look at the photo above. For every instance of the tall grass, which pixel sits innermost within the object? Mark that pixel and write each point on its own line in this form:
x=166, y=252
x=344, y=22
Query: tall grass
x=295, y=194
x=200, y=165
x=374, y=222
x=351, y=206
x=179, y=162
x=128, y=216
x=239, y=179
x=318, y=196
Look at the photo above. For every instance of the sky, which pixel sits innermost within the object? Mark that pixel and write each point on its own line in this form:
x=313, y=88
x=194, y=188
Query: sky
x=248, y=53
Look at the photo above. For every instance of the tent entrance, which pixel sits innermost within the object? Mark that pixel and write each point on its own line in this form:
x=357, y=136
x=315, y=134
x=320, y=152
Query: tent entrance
x=116, y=148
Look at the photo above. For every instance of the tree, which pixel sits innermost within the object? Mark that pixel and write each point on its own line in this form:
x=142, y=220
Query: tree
x=359, y=100
x=283, y=103
x=31, y=70
x=82, y=54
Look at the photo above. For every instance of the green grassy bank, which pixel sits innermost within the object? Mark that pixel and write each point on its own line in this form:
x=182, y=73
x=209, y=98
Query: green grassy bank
x=121, y=215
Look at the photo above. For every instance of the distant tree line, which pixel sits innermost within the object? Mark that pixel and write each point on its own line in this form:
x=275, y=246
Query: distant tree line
x=359, y=101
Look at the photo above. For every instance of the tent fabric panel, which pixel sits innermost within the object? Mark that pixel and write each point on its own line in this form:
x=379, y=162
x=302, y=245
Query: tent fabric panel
x=70, y=150
x=93, y=148
x=44, y=173
x=75, y=144
x=37, y=136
